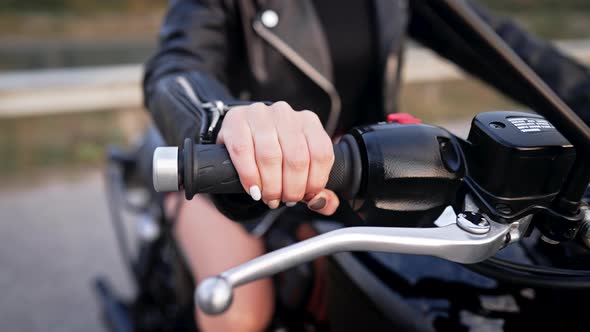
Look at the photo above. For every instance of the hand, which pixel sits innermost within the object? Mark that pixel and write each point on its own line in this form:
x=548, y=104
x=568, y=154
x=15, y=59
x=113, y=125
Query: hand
x=280, y=155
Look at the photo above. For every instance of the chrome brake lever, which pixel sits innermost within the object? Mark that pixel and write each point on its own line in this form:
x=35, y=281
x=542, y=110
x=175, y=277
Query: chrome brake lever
x=465, y=241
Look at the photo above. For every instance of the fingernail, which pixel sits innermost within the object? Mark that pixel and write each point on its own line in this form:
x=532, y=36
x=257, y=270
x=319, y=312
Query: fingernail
x=274, y=204
x=318, y=204
x=291, y=204
x=255, y=193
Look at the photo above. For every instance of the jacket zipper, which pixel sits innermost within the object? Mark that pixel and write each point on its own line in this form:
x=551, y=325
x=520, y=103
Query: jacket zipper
x=307, y=69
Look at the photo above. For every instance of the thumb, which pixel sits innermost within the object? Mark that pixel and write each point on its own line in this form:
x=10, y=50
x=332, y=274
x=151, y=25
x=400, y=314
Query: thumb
x=325, y=202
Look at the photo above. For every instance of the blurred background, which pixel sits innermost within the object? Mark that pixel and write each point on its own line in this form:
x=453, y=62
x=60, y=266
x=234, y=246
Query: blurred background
x=70, y=74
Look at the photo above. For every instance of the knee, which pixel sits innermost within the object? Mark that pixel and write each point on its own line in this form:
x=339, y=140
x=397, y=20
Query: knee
x=251, y=311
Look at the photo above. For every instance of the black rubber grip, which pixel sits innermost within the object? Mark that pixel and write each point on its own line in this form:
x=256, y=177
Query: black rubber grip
x=346, y=174
x=207, y=168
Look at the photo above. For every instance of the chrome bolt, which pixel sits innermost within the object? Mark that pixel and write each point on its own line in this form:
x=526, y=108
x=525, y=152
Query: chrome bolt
x=473, y=222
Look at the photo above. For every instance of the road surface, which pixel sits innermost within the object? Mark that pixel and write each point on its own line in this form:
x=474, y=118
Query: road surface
x=54, y=239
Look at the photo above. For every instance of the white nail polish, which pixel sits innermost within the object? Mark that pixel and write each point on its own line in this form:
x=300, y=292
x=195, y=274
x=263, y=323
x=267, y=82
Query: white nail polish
x=255, y=193
x=291, y=204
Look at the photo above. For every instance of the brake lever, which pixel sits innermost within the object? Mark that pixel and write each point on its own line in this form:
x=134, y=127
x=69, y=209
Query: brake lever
x=465, y=241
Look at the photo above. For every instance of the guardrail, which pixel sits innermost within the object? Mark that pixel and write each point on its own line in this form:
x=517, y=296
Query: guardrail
x=44, y=92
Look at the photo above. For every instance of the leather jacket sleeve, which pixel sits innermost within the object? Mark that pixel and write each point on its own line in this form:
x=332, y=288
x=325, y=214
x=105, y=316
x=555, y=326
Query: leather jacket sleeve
x=189, y=68
x=568, y=78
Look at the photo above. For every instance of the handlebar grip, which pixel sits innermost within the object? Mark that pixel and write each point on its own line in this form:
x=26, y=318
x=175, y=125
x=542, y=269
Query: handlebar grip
x=209, y=169
x=346, y=174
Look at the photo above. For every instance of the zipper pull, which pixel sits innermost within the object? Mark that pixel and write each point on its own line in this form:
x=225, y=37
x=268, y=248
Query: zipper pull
x=217, y=109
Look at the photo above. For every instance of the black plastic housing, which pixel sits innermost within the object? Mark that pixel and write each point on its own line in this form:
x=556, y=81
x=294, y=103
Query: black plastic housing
x=516, y=161
x=409, y=167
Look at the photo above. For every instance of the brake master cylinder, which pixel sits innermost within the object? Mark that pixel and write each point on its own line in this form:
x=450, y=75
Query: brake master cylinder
x=516, y=160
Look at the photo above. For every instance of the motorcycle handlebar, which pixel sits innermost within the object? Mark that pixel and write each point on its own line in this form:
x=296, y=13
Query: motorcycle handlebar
x=200, y=168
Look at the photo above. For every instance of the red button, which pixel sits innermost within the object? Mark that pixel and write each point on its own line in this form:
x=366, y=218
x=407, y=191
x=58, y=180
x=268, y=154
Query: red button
x=402, y=118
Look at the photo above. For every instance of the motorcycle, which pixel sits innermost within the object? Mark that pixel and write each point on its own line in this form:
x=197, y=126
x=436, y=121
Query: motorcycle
x=486, y=233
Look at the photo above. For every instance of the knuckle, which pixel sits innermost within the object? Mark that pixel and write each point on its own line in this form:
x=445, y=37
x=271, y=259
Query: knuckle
x=269, y=156
x=270, y=194
x=314, y=187
x=309, y=116
x=282, y=111
x=257, y=106
x=259, y=109
x=324, y=156
x=282, y=105
x=238, y=148
x=297, y=161
x=293, y=196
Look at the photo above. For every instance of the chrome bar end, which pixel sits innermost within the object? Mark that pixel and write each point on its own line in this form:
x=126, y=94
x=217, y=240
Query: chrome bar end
x=165, y=169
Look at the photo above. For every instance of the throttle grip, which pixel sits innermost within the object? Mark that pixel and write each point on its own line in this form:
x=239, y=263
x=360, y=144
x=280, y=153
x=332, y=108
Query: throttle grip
x=207, y=168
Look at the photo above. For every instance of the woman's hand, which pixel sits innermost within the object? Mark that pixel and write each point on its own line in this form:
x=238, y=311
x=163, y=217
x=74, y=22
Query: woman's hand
x=280, y=155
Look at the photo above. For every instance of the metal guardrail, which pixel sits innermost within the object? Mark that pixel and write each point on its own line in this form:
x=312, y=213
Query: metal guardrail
x=89, y=89
x=44, y=92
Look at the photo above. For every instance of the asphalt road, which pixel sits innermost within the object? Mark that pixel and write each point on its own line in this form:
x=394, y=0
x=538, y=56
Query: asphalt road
x=54, y=239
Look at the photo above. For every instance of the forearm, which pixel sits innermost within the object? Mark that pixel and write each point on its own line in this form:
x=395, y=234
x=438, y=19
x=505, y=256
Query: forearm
x=180, y=105
x=189, y=67
x=432, y=24
x=567, y=77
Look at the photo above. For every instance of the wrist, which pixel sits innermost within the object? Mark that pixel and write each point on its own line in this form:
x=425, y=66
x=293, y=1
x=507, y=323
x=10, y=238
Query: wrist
x=216, y=111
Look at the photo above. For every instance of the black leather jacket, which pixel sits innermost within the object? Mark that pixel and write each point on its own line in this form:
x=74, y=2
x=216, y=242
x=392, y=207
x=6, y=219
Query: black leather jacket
x=228, y=50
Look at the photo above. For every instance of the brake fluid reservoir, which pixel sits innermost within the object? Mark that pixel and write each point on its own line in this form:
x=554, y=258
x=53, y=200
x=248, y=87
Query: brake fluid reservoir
x=516, y=157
